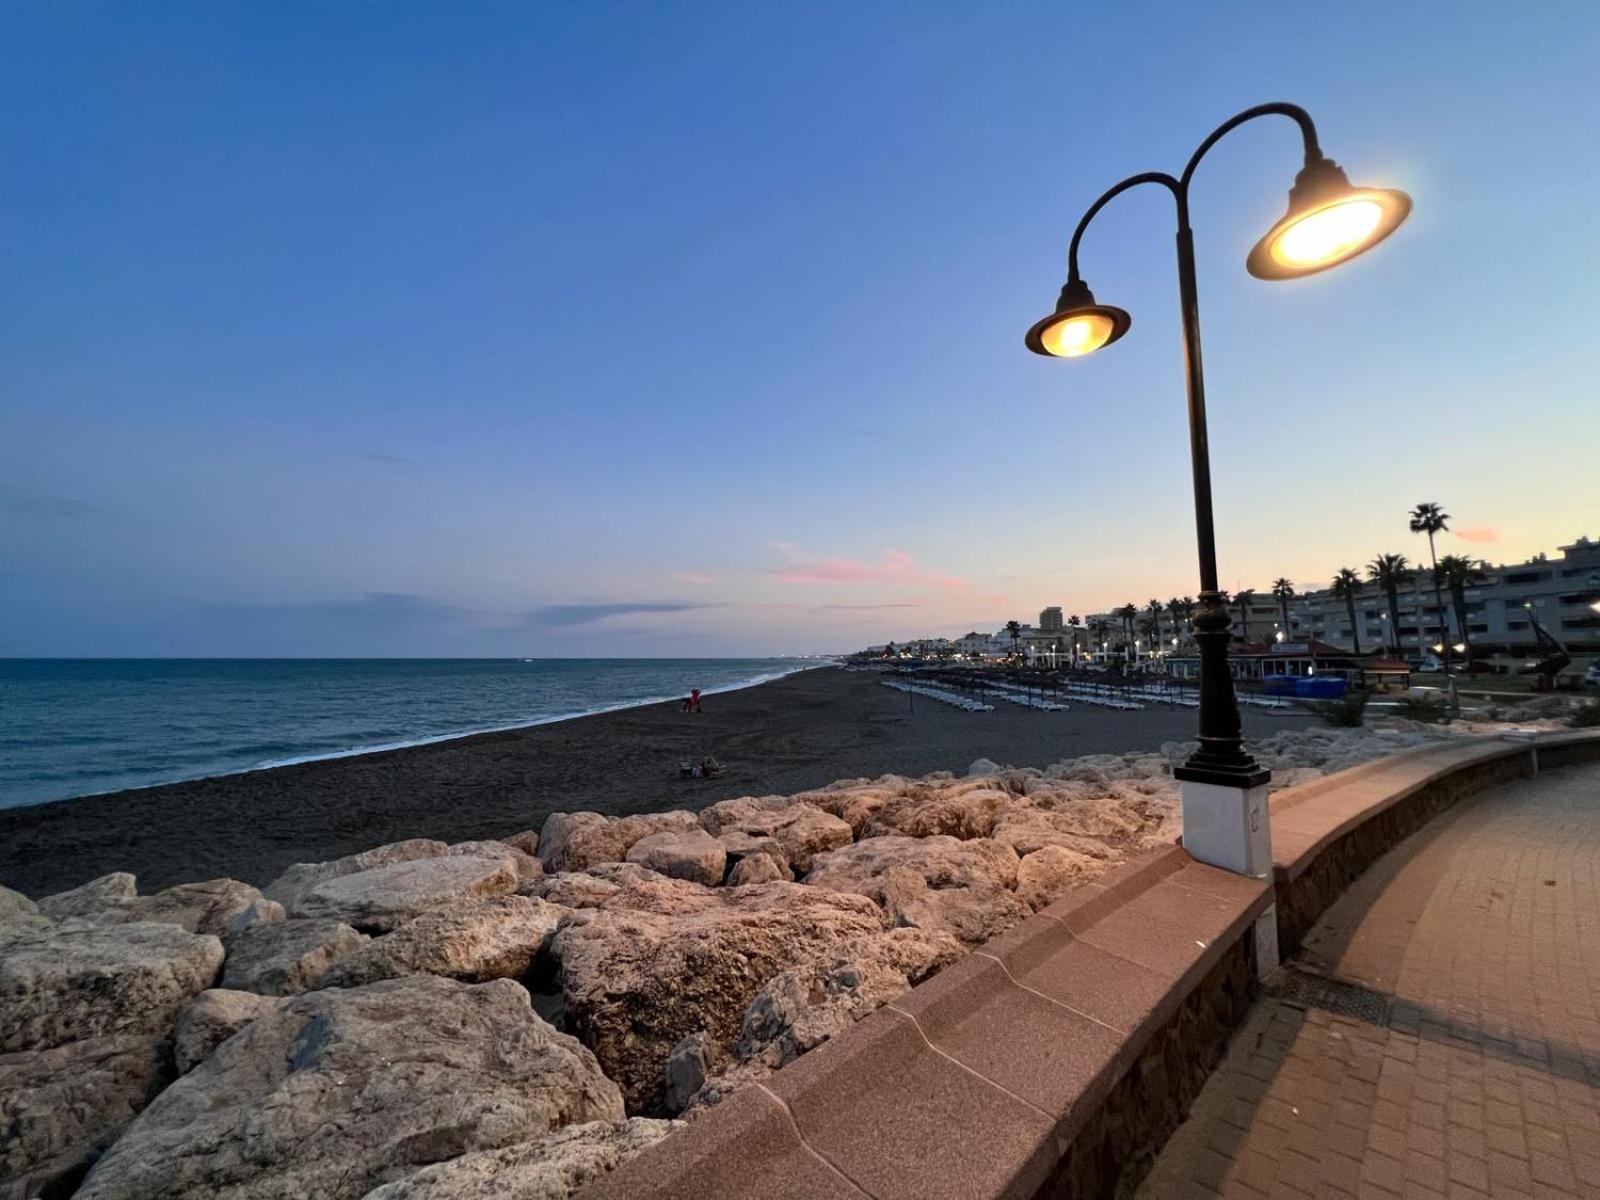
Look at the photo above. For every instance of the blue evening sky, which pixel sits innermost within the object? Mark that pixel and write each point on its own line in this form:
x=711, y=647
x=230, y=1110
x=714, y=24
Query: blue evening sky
x=696, y=328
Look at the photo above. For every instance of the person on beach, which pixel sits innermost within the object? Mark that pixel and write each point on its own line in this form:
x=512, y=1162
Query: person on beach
x=692, y=704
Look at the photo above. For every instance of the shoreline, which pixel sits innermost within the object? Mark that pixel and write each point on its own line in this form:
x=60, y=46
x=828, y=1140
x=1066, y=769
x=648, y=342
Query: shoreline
x=802, y=730
x=429, y=740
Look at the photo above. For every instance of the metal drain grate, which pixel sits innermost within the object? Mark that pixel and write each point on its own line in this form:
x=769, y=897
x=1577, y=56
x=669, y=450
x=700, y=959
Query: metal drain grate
x=1332, y=995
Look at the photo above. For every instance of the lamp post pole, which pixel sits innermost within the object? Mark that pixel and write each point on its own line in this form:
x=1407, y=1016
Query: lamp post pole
x=1328, y=221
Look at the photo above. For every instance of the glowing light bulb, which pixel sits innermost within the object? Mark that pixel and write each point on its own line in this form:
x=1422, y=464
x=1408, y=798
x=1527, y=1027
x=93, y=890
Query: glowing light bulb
x=1077, y=336
x=1328, y=234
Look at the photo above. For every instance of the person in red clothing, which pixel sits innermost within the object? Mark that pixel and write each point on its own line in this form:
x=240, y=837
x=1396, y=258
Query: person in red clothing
x=694, y=699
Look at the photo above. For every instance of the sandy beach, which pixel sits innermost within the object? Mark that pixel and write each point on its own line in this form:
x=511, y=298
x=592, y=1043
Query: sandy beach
x=785, y=736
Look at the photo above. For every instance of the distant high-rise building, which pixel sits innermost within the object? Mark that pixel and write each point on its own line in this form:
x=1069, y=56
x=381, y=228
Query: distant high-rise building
x=1050, y=620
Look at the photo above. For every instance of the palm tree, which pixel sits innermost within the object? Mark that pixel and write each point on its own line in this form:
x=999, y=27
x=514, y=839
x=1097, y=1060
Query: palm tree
x=1391, y=570
x=1099, y=630
x=1430, y=518
x=1347, y=586
x=1283, y=590
x=1243, y=600
x=1175, y=611
x=1155, y=617
x=1074, y=623
x=1129, y=614
x=1459, y=573
x=1014, y=630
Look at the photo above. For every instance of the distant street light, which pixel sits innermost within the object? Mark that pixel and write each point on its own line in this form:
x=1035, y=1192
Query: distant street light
x=1328, y=222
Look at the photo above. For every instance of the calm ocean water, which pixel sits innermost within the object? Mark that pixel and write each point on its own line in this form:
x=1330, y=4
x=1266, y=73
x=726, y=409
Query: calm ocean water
x=70, y=727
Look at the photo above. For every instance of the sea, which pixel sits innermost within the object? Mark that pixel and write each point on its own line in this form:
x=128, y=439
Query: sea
x=75, y=727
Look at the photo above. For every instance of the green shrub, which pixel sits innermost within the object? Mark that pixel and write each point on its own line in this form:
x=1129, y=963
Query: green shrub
x=1346, y=712
x=1587, y=716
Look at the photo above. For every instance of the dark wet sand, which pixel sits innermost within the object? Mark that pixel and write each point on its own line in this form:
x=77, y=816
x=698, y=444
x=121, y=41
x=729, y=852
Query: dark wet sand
x=794, y=733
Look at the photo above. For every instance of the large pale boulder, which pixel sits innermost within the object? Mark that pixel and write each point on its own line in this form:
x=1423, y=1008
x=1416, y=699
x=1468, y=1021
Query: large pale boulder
x=90, y=900
x=343, y=1090
x=693, y=855
x=548, y=1168
x=802, y=831
x=971, y=913
x=663, y=959
x=213, y=1017
x=800, y=1008
x=754, y=869
x=592, y=886
x=529, y=869
x=81, y=980
x=384, y=898
x=1027, y=828
x=729, y=814
x=302, y=877
x=60, y=1108
x=855, y=806
x=1052, y=871
x=961, y=812
x=258, y=912
x=573, y=841
x=474, y=941
x=285, y=958
x=14, y=904
x=208, y=907
x=941, y=860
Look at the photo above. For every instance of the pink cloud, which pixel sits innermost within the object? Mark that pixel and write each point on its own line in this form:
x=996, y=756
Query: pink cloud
x=694, y=577
x=897, y=567
x=1478, y=533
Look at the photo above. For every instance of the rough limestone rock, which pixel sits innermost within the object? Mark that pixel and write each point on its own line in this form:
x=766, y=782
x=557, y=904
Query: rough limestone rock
x=971, y=913
x=385, y=898
x=855, y=807
x=941, y=860
x=663, y=959
x=730, y=814
x=1049, y=873
x=527, y=841
x=983, y=766
x=285, y=958
x=13, y=904
x=799, y=1009
x=529, y=869
x=474, y=941
x=550, y=1168
x=1028, y=829
x=89, y=900
x=574, y=844
x=961, y=812
x=302, y=877
x=60, y=1108
x=213, y=1017
x=82, y=980
x=688, y=1064
x=758, y=868
x=343, y=1090
x=207, y=907
x=803, y=831
x=693, y=855
x=738, y=845
x=258, y=912
x=576, y=889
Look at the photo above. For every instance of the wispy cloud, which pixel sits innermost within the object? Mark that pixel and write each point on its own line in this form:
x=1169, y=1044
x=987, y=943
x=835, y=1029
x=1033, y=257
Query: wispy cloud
x=695, y=577
x=1478, y=533
x=566, y=616
x=26, y=505
x=897, y=567
x=860, y=607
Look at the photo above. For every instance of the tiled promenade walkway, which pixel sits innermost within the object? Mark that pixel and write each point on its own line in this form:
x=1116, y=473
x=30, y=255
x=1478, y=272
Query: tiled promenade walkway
x=1464, y=1061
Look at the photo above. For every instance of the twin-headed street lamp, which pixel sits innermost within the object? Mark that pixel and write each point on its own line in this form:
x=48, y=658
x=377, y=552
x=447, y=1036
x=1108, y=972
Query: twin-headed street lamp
x=1328, y=222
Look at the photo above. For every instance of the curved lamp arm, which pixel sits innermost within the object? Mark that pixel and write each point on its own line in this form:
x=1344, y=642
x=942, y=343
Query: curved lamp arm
x=1133, y=181
x=1180, y=187
x=1308, y=132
